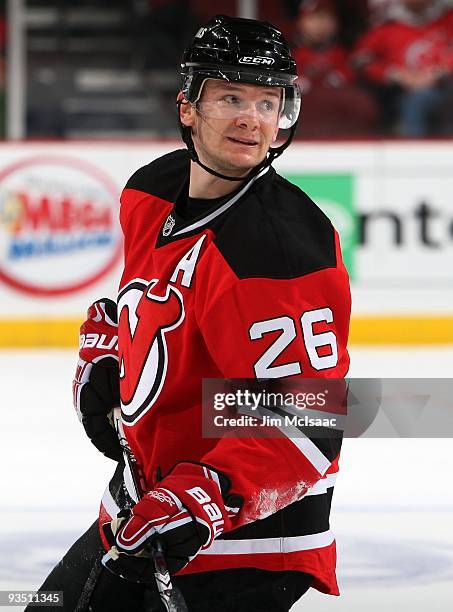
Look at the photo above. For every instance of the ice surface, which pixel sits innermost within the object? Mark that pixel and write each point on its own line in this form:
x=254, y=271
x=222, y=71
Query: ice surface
x=393, y=504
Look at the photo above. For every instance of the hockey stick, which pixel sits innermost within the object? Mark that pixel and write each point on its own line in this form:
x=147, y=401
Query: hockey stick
x=90, y=584
x=170, y=595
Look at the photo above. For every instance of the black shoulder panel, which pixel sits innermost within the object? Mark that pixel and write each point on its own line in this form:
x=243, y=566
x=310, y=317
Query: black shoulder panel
x=276, y=231
x=163, y=177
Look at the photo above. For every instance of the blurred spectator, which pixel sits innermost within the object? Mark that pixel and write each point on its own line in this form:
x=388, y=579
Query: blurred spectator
x=409, y=60
x=378, y=9
x=332, y=104
x=353, y=15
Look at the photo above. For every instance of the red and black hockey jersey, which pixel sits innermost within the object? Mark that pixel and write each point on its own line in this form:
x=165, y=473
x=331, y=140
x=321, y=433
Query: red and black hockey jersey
x=255, y=287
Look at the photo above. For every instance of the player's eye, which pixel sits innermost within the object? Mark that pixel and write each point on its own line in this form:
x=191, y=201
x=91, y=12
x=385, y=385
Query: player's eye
x=267, y=106
x=231, y=100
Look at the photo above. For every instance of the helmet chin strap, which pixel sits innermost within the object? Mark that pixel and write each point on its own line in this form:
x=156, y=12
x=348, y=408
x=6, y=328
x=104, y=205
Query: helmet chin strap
x=186, y=135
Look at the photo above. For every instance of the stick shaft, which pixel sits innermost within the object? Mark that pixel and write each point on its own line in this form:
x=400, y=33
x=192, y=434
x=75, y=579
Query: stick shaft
x=161, y=573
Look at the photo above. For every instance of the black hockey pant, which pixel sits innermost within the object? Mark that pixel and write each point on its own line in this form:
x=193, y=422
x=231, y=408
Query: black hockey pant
x=88, y=587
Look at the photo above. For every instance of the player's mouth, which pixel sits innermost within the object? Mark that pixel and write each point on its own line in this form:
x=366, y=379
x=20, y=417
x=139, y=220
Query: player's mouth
x=243, y=141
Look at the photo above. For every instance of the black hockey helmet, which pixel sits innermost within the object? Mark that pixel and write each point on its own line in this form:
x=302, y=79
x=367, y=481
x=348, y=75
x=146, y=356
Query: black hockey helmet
x=245, y=51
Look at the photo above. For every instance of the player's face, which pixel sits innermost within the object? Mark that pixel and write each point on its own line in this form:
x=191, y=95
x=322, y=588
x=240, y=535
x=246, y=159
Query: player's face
x=234, y=124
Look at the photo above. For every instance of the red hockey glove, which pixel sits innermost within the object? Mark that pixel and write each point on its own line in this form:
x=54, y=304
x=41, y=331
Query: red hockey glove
x=96, y=383
x=188, y=509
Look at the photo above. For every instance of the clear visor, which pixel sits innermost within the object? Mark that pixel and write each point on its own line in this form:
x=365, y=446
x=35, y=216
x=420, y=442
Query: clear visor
x=277, y=105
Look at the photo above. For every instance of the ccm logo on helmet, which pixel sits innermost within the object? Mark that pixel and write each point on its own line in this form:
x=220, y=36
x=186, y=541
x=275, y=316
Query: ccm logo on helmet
x=262, y=61
x=210, y=507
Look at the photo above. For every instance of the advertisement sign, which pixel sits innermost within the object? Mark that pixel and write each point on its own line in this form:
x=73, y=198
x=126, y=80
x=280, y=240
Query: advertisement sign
x=58, y=225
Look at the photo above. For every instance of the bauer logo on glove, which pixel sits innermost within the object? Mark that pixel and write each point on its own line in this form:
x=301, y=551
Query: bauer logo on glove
x=186, y=512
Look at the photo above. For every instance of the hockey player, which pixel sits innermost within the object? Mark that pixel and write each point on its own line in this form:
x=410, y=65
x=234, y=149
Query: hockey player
x=230, y=272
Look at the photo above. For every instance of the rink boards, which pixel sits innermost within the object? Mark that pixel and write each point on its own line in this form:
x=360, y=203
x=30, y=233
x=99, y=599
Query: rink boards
x=60, y=242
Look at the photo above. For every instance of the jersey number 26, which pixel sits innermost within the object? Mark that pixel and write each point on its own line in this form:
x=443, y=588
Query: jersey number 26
x=312, y=341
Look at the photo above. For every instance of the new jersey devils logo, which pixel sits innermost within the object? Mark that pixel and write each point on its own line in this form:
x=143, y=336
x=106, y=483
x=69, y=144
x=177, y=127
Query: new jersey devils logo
x=146, y=312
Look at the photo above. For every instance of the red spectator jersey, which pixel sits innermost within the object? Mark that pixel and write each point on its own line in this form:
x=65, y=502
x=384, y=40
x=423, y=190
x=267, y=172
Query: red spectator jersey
x=398, y=44
x=255, y=287
x=328, y=66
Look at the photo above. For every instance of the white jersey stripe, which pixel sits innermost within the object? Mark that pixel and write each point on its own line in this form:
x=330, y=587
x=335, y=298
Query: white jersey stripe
x=270, y=545
x=322, y=485
x=303, y=443
x=221, y=209
x=109, y=504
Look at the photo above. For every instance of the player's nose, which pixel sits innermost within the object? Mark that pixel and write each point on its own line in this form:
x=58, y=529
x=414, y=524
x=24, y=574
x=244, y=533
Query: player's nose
x=249, y=119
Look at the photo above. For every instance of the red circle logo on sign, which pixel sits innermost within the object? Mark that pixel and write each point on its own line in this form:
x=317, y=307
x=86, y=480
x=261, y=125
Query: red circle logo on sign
x=59, y=230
